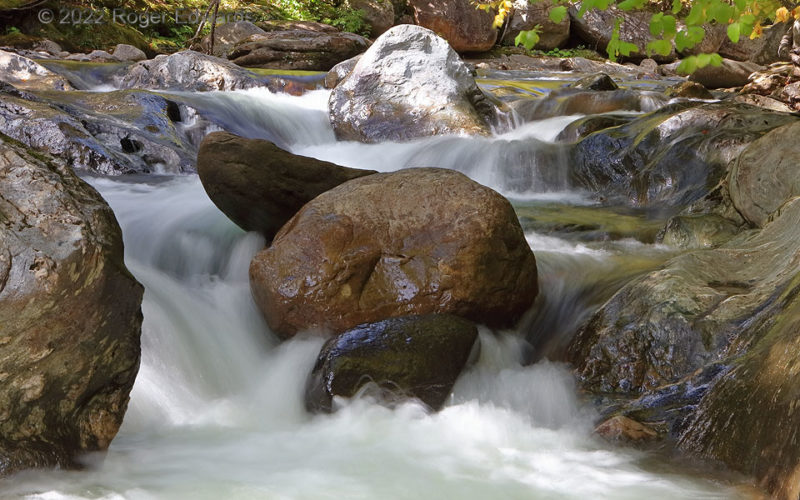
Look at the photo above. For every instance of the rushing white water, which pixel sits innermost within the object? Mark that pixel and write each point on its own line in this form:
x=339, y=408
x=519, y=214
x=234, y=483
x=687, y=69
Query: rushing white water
x=217, y=408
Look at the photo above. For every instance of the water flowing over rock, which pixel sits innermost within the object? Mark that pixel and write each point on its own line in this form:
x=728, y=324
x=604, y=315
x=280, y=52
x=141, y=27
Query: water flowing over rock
x=188, y=70
x=260, y=186
x=571, y=101
x=527, y=15
x=70, y=315
x=297, y=50
x=110, y=133
x=671, y=157
x=415, y=241
x=409, y=84
x=466, y=28
x=27, y=74
x=398, y=358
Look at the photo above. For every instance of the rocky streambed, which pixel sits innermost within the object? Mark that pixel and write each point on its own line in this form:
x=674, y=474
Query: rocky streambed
x=581, y=250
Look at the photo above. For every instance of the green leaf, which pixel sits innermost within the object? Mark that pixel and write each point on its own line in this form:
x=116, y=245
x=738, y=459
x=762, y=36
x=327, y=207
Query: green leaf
x=676, y=6
x=656, y=24
x=721, y=12
x=696, y=16
x=687, y=66
x=703, y=60
x=626, y=48
x=670, y=26
x=716, y=59
x=631, y=4
x=558, y=13
x=527, y=39
x=733, y=32
x=660, y=47
x=740, y=4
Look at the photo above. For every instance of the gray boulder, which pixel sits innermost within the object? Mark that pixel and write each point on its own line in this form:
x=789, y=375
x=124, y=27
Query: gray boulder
x=409, y=84
x=70, y=315
x=128, y=53
x=260, y=186
x=26, y=74
x=398, y=358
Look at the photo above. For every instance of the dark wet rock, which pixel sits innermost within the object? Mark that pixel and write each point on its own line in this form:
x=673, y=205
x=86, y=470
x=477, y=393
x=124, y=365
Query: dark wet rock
x=340, y=72
x=110, y=133
x=571, y=101
x=26, y=74
x=379, y=14
x=595, y=28
x=260, y=186
x=395, y=359
x=582, y=127
x=416, y=241
x=228, y=35
x=528, y=15
x=699, y=309
x=380, y=102
x=465, y=27
x=128, y=53
x=70, y=316
x=188, y=70
x=671, y=157
x=600, y=81
x=730, y=74
x=297, y=50
x=765, y=174
x=762, y=50
x=689, y=90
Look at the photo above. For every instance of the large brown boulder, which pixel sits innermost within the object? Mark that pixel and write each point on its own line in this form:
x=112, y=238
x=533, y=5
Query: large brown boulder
x=228, y=35
x=465, y=27
x=409, y=84
x=762, y=50
x=258, y=185
x=70, y=316
x=399, y=358
x=297, y=50
x=416, y=241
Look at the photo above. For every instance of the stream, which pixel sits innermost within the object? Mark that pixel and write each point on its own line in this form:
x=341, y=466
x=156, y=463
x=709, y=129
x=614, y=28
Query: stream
x=217, y=409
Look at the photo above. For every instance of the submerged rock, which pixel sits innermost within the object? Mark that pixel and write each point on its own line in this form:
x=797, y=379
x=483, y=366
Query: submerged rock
x=297, y=50
x=407, y=357
x=465, y=27
x=409, y=84
x=416, y=241
x=70, y=315
x=26, y=74
x=260, y=186
x=188, y=70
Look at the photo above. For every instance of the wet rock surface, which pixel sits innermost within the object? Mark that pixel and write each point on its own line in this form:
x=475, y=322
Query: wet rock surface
x=70, y=315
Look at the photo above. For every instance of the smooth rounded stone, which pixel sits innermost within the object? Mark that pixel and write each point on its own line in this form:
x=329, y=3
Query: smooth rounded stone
x=703, y=307
x=297, y=50
x=128, y=53
x=671, y=157
x=569, y=101
x=600, y=81
x=729, y=74
x=697, y=231
x=465, y=27
x=621, y=428
x=26, y=74
x=187, y=70
x=761, y=50
x=109, y=133
x=765, y=175
x=689, y=90
x=416, y=241
x=340, y=72
x=596, y=26
x=379, y=14
x=395, y=359
x=70, y=315
x=409, y=84
x=260, y=186
x=228, y=35
x=48, y=46
x=648, y=65
x=763, y=102
x=527, y=15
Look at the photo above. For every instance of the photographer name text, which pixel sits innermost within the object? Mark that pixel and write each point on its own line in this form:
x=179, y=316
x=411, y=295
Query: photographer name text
x=137, y=19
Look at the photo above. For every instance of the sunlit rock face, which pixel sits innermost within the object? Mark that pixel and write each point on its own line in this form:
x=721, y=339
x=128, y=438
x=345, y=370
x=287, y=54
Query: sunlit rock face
x=465, y=27
x=25, y=73
x=70, y=315
x=409, y=84
x=416, y=241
